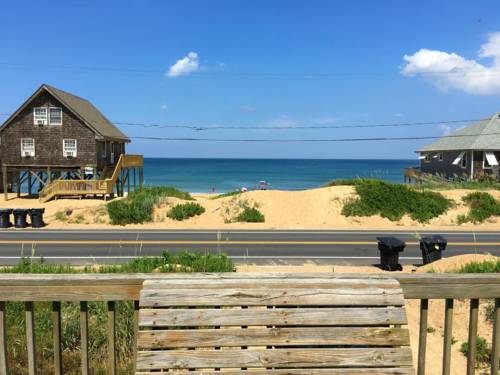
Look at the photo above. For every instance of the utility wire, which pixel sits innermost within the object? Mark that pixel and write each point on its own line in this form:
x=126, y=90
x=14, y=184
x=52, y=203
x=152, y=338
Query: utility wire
x=311, y=140
x=303, y=75
x=286, y=127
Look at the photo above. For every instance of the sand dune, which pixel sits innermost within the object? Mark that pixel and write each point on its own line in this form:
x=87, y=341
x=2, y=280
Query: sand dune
x=309, y=209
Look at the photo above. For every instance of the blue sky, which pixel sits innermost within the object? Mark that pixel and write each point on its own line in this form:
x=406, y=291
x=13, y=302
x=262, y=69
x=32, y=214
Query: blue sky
x=247, y=63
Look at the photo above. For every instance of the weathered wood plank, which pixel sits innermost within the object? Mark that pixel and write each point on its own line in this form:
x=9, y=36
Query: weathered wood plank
x=323, y=283
x=3, y=339
x=495, y=341
x=369, y=336
x=111, y=337
x=277, y=358
x=311, y=371
x=422, y=336
x=472, y=338
x=77, y=292
x=30, y=337
x=448, y=336
x=84, y=337
x=268, y=297
x=56, y=337
x=355, y=316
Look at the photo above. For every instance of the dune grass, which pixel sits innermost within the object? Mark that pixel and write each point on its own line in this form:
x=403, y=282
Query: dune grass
x=15, y=316
x=138, y=207
x=393, y=201
x=185, y=211
x=227, y=194
x=481, y=205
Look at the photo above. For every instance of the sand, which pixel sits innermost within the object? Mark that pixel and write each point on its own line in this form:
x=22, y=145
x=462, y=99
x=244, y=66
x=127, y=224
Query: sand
x=308, y=209
x=436, y=310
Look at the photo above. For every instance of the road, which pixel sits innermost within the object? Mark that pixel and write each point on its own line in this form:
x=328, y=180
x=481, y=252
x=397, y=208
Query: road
x=257, y=246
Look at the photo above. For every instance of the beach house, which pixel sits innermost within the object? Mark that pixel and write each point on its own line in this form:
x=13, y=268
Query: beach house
x=472, y=152
x=55, y=135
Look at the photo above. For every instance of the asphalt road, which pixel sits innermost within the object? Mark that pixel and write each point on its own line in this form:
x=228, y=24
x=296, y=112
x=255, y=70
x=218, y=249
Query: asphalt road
x=257, y=246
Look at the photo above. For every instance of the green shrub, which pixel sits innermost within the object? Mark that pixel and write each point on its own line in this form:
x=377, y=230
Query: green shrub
x=487, y=266
x=483, y=352
x=393, y=201
x=138, y=207
x=481, y=205
x=251, y=215
x=184, y=211
x=346, y=181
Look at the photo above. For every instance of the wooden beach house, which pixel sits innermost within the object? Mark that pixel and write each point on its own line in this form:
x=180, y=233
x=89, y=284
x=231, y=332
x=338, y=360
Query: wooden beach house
x=470, y=153
x=60, y=144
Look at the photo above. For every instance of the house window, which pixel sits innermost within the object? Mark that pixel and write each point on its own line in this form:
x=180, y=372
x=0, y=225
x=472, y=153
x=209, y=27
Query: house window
x=486, y=164
x=40, y=115
x=27, y=147
x=55, y=116
x=440, y=156
x=427, y=158
x=464, y=161
x=69, y=148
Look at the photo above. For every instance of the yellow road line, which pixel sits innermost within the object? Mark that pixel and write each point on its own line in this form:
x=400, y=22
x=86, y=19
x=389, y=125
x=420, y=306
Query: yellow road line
x=167, y=242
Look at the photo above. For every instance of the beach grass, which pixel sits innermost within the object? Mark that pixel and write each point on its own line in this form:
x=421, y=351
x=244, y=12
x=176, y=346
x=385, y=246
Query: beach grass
x=185, y=211
x=250, y=215
x=138, y=206
x=227, y=194
x=15, y=316
x=393, y=201
x=481, y=205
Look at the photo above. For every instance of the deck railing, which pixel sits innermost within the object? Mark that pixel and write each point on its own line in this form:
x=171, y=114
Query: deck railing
x=109, y=289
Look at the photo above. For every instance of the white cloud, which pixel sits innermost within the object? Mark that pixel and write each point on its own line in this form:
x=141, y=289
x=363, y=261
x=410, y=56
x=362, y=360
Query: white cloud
x=188, y=64
x=452, y=71
x=163, y=107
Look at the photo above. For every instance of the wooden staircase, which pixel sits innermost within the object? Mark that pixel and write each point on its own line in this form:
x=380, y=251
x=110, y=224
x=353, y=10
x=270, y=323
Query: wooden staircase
x=81, y=188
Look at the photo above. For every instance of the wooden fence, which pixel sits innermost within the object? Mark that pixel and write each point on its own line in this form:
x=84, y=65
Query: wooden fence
x=84, y=288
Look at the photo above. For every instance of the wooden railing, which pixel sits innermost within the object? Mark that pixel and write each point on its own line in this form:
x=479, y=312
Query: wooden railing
x=83, y=187
x=109, y=289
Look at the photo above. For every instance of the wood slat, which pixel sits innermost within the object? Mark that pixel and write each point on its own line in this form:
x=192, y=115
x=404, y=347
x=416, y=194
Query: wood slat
x=448, y=336
x=372, y=296
x=84, y=337
x=422, y=336
x=311, y=371
x=74, y=293
x=472, y=338
x=111, y=337
x=368, y=336
x=355, y=316
x=323, y=283
x=30, y=337
x=56, y=337
x=495, y=341
x=277, y=358
x=3, y=338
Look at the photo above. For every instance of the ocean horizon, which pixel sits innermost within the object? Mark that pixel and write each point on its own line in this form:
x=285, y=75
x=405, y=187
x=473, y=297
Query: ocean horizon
x=204, y=175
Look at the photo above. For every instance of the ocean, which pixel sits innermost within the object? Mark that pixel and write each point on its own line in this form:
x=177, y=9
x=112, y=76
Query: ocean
x=222, y=175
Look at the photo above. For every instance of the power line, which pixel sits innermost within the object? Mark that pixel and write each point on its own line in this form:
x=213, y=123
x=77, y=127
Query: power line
x=311, y=140
x=286, y=127
x=225, y=74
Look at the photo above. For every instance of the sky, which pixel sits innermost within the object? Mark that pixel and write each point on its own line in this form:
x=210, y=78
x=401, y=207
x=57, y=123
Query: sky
x=286, y=66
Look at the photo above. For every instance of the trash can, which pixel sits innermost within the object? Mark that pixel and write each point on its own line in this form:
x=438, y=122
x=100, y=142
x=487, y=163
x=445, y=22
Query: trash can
x=36, y=216
x=20, y=215
x=389, y=248
x=5, y=218
x=432, y=248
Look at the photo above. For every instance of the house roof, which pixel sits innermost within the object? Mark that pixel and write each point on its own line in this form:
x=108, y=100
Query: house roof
x=481, y=135
x=83, y=109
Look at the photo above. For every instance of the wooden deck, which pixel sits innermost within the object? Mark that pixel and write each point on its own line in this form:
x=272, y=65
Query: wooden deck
x=104, y=187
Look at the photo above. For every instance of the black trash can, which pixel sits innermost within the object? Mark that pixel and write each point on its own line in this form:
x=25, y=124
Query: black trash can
x=20, y=215
x=36, y=215
x=5, y=218
x=432, y=248
x=389, y=248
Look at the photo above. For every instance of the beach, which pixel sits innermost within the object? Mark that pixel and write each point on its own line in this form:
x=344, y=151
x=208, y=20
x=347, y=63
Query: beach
x=306, y=209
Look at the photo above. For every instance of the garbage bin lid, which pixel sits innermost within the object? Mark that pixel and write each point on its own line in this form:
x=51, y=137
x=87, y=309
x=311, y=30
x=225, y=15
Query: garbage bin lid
x=434, y=238
x=391, y=241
